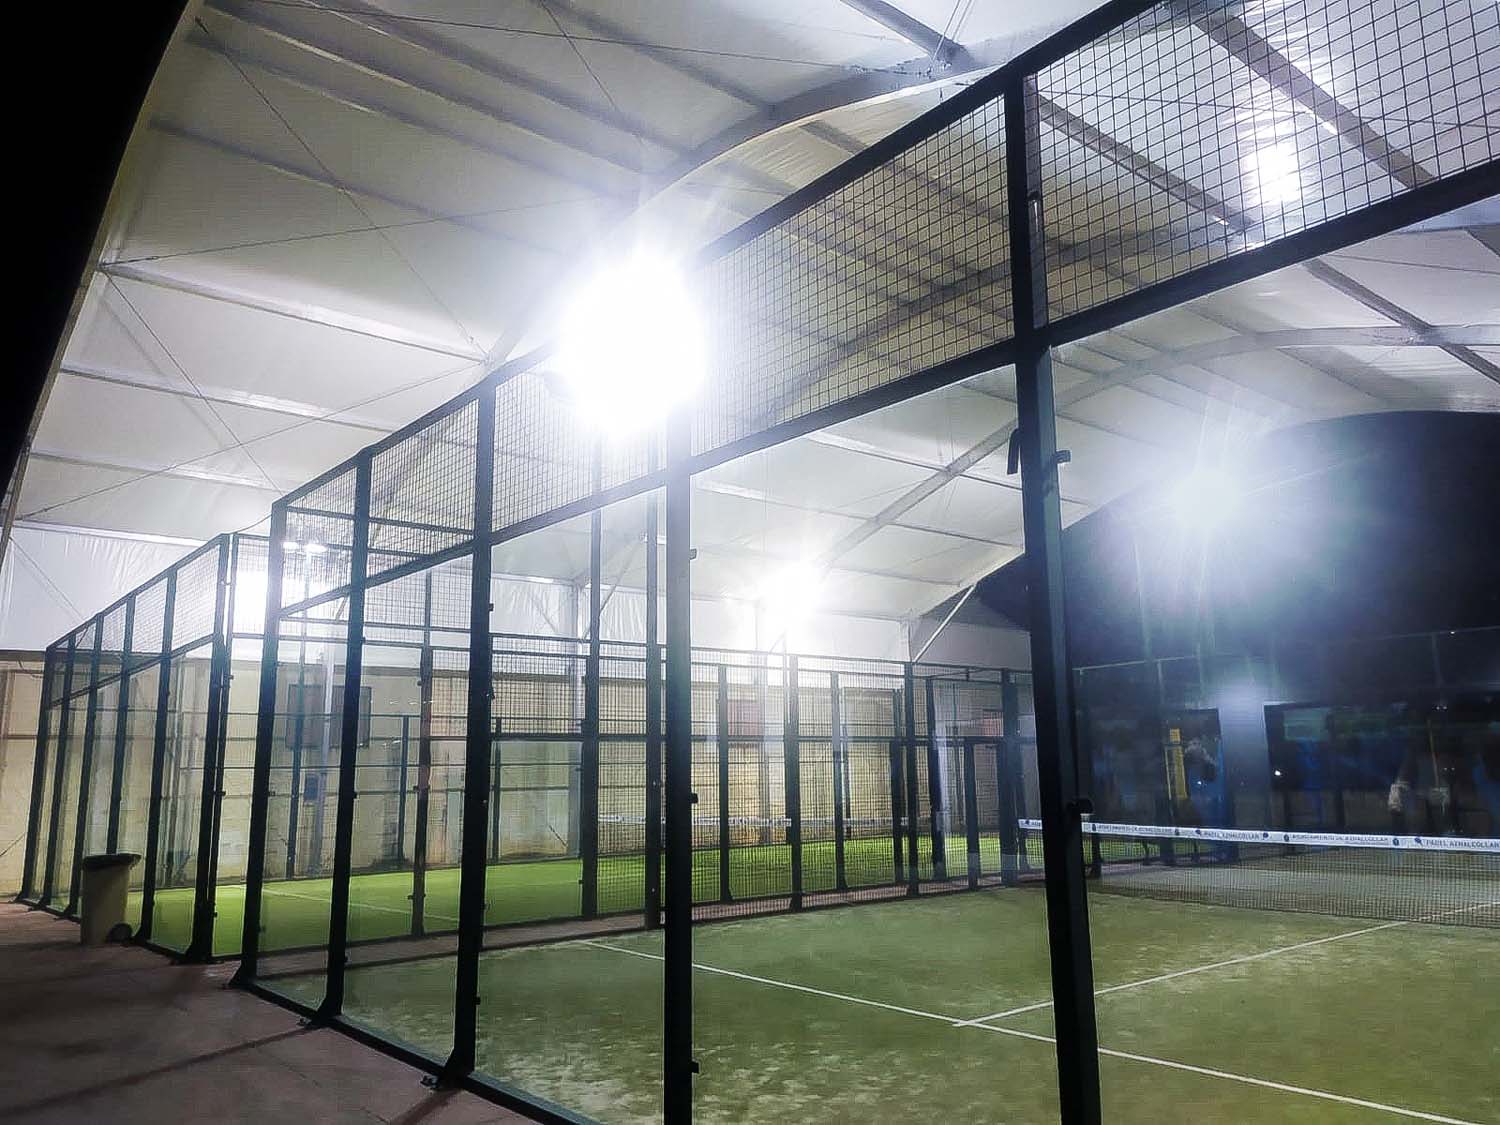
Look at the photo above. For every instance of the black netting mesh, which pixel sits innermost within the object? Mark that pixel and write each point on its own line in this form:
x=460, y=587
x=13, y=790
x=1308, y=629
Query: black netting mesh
x=316, y=550
x=902, y=269
x=422, y=491
x=1199, y=130
x=150, y=615
x=196, y=596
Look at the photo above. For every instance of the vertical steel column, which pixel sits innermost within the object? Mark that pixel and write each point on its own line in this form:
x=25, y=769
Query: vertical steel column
x=122, y=721
x=158, y=761
x=201, y=947
x=1062, y=836
x=49, y=875
x=403, y=788
x=588, y=772
x=265, y=741
x=29, y=887
x=913, y=802
x=898, y=792
x=1007, y=758
x=721, y=742
x=678, y=1066
x=221, y=736
x=971, y=814
x=791, y=742
x=653, y=720
x=424, y=766
x=478, y=739
x=840, y=766
x=935, y=795
x=85, y=777
x=343, y=817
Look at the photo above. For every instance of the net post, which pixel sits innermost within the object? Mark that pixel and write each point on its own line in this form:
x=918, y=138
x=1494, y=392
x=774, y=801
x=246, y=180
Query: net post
x=425, y=685
x=935, y=799
x=201, y=945
x=677, y=978
x=588, y=773
x=652, y=678
x=478, y=740
x=265, y=739
x=971, y=814
x=1067, y=906
x=85, y=778
x=29, y=889
x=898, y=798
x=840, y=767
x=913, y=800
x=158, y=762
x=792, y=757
x=122, y=720
x=721, y=743
x=403, y=788
x=343, y=830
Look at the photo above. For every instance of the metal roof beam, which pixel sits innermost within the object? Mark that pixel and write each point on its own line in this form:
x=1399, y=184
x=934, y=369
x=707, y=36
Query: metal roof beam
x=1343, y=283
x=1267, y=63
x=293, y=310
x=182, y=472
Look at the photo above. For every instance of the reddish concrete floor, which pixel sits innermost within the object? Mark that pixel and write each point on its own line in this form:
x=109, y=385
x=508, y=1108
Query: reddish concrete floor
x=115, y=1034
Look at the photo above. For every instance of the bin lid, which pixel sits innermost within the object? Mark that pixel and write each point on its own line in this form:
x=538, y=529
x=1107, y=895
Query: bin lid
x=108, y=859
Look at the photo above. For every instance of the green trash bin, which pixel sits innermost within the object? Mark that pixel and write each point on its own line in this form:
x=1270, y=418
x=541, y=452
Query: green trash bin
x=105, y=885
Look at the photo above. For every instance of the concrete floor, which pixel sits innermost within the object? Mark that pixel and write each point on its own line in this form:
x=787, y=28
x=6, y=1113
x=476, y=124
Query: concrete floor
x=115, y=1034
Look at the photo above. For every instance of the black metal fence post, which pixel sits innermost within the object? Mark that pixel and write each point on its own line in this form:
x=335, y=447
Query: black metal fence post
x=158, y=762
x=721, y=742
x=200, y=947
x=49, y=872
x=1062, y=837
x=653, y=719
x=29, y=888
x=588, y=773
x=971, y=815
x=122, y=722
x=936, y=799
x=838, y=752
x=265, y=740
x=678, y=1066
x=424, y=766
x=898, y=804
x=792, y=756
x=86, y=776
x=913, y=802
x=343, y=819
x=478, y=739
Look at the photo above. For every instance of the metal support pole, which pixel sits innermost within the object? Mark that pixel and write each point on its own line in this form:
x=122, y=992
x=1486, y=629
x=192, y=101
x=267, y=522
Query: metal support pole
x=839, y=753
x=343, y=817
x=721, y=742
x=158, y=762
x=478, y=738
x=971, y=814
x=403, y=788
x=678, y=1066
x=221, y=733
x=1008, y=774
x=265, y=741
x=49, y=874
x=30, y=889
x=200, y=948
x=588, y=772
x=653, y=721
x=122, y=722
x=424, y=766
x=898, y=803
x=792, y=756
x=936, y=798
x=913, y=802
x=1062, y=835
x=85, y=777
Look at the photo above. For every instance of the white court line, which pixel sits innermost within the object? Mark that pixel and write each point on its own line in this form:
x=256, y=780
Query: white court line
x=1013, y=1033
x=980, y=1021
x=361, y=905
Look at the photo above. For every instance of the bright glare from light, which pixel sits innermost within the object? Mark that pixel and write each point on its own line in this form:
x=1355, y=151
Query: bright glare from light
x=790, y=596
x=1275, y=173
x=631, y=344
x=1210, y=495
x=311, y=547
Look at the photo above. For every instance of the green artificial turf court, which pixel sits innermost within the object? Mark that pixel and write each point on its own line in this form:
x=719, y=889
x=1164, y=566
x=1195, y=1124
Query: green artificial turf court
x=936, y=1009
